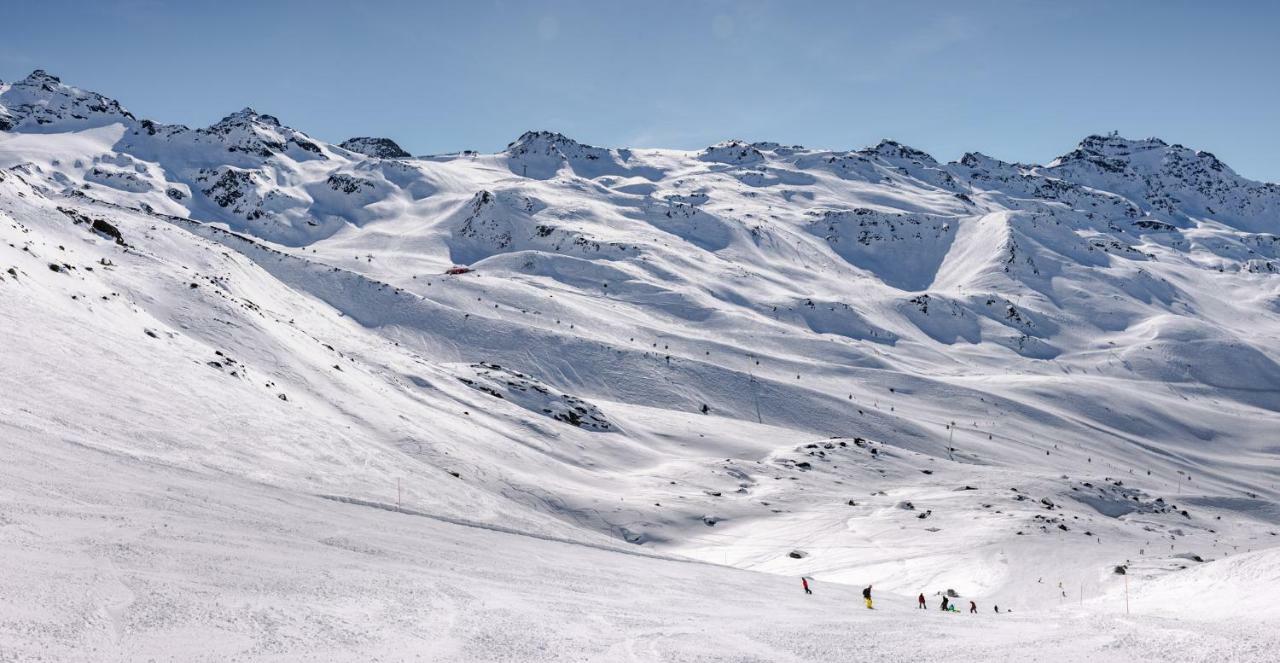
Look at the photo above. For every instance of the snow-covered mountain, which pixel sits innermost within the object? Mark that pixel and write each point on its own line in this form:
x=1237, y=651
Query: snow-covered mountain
x=859, y=365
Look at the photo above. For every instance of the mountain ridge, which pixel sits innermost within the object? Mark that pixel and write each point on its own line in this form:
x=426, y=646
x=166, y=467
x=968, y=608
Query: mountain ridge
x=1097, y=146
x=920, y=372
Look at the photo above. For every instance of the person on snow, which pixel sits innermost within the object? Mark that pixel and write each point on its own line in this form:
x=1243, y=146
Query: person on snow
x=922, y=605
x=944, y=602
x=997, y=610
x=973, y=608
x=866, y=594
x=805, y=581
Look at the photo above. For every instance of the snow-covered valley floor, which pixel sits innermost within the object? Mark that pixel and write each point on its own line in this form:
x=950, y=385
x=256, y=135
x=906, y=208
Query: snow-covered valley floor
x=107, y=559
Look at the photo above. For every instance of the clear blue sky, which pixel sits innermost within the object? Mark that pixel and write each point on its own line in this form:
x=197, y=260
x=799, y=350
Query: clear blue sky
x=1017, y=80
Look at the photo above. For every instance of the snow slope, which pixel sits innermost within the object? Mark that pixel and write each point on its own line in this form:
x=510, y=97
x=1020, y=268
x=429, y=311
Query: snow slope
x=861, y=366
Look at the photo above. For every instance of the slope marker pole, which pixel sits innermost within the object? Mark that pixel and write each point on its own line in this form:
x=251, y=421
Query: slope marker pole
x=1126, y=594
x=755, y=395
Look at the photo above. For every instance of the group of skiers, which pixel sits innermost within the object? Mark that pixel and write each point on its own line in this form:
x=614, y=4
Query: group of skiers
x=948, y=606
x=945, y=606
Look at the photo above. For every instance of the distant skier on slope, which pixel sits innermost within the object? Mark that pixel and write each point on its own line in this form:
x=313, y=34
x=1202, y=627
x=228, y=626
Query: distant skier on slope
x=866, y=594
x=922, y=605
x=805, y=582
x=973, y=608
x=944, y=602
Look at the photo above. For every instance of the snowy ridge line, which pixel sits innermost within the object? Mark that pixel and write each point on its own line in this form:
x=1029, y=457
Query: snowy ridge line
x=505, y=530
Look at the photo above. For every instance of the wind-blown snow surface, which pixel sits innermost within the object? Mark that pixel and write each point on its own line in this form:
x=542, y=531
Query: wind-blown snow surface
x=228, y=353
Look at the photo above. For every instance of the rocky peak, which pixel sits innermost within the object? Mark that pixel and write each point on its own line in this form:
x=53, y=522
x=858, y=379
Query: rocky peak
x=1112, y=153
x=245, y=116
x=1171, y=181
x=379, y=148
x=253, y=133
x=42, y=102
x=480, y=200
x=550, y=143
x=1148, y=157
x=1114, y=145
x=733, y=151
x=41, y=77
x=980, y=161
x=890, y=149
x=541, y=154
x=981, y=166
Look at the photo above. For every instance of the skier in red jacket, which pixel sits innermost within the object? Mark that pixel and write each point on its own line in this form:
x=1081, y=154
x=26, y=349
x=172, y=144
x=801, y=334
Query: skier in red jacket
x=922, y=606
x=805, y=581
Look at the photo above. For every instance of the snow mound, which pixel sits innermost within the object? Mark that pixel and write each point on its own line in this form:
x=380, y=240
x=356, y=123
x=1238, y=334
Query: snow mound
x=1237, y=587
